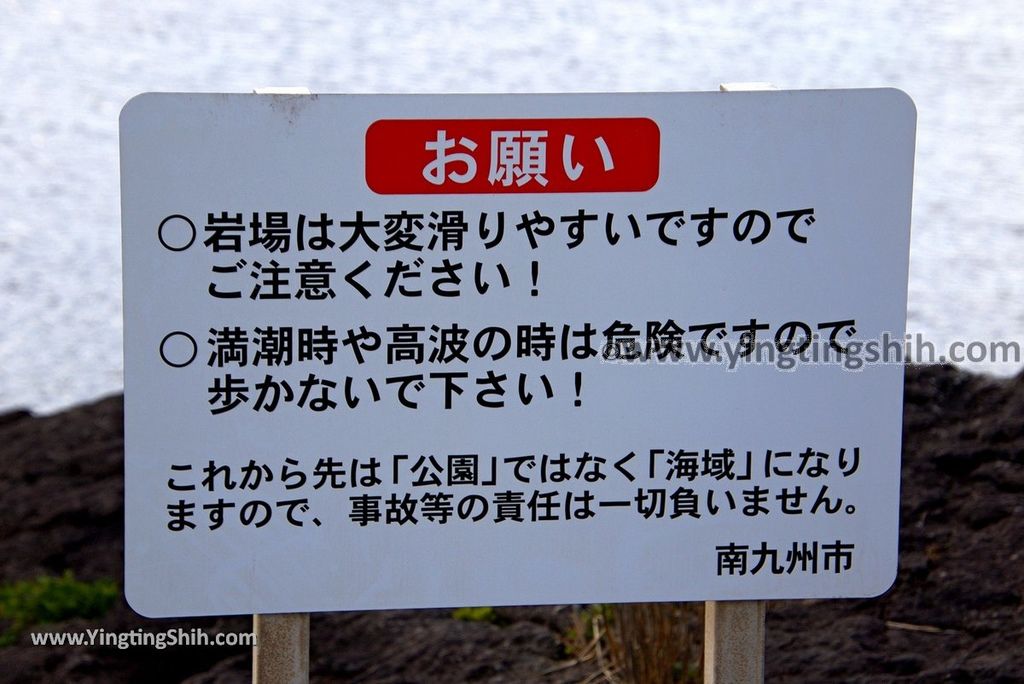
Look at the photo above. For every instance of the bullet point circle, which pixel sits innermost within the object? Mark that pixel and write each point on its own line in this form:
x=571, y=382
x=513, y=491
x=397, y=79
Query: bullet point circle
x=176, y=232
x=178, y=349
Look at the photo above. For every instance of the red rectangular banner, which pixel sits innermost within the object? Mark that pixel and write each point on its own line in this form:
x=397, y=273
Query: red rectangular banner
x=497, y=156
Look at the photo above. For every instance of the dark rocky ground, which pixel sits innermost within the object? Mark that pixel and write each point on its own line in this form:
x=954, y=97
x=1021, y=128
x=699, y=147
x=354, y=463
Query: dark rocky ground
x=954, y=615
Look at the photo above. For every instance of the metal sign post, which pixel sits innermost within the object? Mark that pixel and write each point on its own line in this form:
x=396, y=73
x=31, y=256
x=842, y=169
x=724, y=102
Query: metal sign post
x=734, y=642
x=281, y=653
x=734, y=630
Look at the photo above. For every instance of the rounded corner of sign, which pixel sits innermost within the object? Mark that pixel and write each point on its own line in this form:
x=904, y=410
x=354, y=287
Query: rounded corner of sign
x=903, y=101
x=886, y=585
x=138, y=603
x=131, y=104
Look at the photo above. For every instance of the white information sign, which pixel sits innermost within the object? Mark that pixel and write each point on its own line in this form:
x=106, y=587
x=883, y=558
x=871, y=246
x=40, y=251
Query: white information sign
x=413, y=351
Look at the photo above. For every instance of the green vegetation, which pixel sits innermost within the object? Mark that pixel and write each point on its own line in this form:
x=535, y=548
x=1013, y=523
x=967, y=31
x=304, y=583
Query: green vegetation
x=51, y=599
x=579, y=639
x=481, y=614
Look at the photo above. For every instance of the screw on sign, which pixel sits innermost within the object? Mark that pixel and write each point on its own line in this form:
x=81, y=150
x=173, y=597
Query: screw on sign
x=367, y=334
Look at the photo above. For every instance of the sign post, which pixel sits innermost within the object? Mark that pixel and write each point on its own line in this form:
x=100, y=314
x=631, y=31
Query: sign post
x=734, y=642
x=423, y=351
x=734, y=631
x=281, y=653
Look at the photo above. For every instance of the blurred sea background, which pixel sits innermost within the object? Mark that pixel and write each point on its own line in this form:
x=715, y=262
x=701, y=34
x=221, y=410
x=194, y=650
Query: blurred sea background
x=67, y=68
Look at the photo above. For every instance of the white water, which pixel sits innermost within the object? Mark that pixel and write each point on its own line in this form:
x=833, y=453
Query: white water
x=66, y=68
